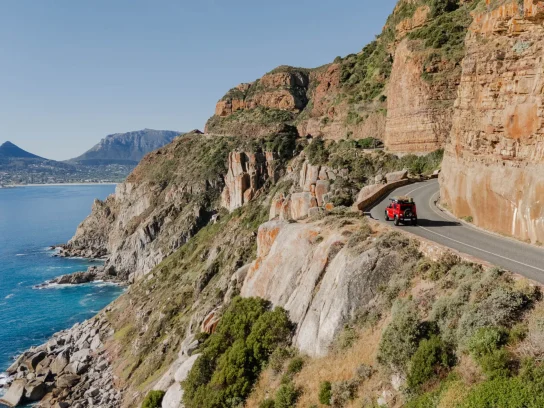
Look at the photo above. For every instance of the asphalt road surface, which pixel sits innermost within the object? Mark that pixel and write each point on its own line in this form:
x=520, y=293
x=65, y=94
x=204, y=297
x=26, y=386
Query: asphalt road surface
x=438, y=226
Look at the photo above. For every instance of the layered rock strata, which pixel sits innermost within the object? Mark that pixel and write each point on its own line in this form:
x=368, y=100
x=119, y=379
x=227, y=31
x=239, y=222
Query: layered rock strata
x=493, y=169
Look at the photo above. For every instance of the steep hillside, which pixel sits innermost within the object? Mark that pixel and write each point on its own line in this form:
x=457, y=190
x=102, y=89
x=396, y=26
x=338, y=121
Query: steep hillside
x=399, y=89
x=171, y=194
x=126, y=148
x=494, y=164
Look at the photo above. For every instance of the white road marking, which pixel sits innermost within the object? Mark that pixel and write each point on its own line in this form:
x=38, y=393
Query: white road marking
x=415, y=189
x=483, y=250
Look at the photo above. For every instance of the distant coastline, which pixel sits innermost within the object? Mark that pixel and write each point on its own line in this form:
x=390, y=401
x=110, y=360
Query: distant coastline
x=58, y=184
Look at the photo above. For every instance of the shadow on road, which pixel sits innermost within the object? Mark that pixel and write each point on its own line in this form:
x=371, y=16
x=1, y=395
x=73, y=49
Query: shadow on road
x=432, y=223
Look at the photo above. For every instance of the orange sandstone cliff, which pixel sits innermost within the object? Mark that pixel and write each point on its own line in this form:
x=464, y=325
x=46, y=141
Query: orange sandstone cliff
x=493, y=170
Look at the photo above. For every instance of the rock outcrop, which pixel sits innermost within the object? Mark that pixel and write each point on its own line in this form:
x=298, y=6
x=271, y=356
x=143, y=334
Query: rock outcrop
x=246, y=174
x=312, y=194
x=310, y=271
x=493, y=169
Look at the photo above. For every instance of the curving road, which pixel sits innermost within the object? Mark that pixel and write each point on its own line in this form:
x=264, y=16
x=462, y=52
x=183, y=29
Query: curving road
x=438, y=226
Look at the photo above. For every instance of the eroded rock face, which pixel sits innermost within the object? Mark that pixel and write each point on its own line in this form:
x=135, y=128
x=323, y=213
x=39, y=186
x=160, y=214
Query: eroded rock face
x=308, y=270
x=419, y=111
x=152, y=213
x=494, y=164
x=247, y=173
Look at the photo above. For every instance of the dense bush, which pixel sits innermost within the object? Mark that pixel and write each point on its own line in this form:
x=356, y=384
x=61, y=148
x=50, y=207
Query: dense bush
x=316, y=152
x=486, y=340
x=343, y=391
x=325, y=393
x=439, y=7
x=505, y=393
x=279, y=357
x=295, y=365
x=286, y=396
x=267, y=403
x=400, y=339
x=431, y=357
x=232, y=357
x=153, y=399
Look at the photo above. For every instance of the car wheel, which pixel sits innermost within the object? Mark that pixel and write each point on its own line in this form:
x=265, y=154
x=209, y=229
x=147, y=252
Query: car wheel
x=414, y=221
x=386, y=216
x=396, y=220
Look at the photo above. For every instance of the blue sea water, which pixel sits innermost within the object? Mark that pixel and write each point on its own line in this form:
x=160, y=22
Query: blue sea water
x=31, y=219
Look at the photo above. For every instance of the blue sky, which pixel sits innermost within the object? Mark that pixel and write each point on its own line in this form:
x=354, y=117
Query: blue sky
x=72, y=72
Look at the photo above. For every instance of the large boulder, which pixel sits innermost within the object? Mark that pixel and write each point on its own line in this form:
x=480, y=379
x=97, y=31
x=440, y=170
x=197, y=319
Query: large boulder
x=396, y=176
x=322, y=187
x=60, y=363
x=33, y=361
x=301, y=204
x=67, y=380
x=15, y=394
x=35, y=390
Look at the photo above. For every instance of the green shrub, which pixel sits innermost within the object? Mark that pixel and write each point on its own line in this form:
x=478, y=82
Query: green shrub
x=500, y=306
x=325, y=392
x=295, y=365
x=496, y=364
x=233, y=356
x=431, y=357
x=316, y=152
x=267, y=403
x=486, y=340
x=400, y=339
x=504, y=393
x=153, y=399
x=286, y=396
x=279, y=357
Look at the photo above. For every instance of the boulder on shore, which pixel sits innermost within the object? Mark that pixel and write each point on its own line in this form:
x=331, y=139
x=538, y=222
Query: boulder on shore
x=15, y=394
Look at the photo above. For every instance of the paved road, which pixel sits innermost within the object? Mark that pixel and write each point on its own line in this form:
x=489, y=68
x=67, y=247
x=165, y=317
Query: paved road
x=438, y=226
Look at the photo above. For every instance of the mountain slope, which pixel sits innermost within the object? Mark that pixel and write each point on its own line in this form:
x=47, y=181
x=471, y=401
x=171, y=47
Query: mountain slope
x=126, y=148
x=10, y=151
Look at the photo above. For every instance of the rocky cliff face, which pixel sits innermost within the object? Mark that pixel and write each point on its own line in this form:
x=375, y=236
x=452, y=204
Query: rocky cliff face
x=157, y=209
x=311, y=271
x=246, y=174
x=493, y=170
x=400, y=88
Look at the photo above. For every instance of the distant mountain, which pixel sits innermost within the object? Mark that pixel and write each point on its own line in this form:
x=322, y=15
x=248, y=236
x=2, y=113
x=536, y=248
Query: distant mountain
x=10, y=151
x=125, y=148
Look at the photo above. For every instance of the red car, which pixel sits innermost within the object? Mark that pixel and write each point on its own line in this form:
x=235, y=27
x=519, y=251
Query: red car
x=401, y=209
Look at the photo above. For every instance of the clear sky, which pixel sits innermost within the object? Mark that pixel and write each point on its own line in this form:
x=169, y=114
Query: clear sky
x=74, y=71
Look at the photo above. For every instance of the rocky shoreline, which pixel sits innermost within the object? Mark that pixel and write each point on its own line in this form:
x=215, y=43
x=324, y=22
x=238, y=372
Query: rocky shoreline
x=71, y=370
x=92, y=274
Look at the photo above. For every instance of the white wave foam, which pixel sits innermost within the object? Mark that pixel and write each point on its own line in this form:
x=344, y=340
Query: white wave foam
x=4, y=379
x=9, y=296
x=21, y=254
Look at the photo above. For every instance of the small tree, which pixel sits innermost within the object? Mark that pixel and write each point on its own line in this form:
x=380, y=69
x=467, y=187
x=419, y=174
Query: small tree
x=153, y=399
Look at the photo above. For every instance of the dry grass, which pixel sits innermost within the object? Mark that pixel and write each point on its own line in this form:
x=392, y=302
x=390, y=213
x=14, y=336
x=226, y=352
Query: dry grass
x=533, y=345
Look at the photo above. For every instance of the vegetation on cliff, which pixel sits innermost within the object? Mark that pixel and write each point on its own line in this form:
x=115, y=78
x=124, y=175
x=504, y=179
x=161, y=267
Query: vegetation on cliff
x=233, y=356
x=452, y=326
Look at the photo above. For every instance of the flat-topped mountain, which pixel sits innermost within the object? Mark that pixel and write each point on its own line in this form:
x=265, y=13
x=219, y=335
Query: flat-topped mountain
x=9, y=150
x=126, y=148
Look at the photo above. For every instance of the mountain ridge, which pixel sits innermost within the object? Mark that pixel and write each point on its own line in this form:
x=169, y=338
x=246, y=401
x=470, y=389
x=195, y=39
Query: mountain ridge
x=126, y=148
x=11, y=150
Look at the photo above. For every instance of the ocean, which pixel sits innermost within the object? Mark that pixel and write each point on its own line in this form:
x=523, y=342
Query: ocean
x=31, y=220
